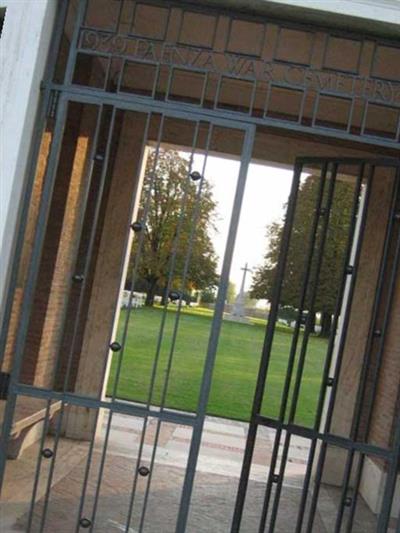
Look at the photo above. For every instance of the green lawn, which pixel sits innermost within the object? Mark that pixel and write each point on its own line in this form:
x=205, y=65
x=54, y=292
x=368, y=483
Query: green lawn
x=235, y=370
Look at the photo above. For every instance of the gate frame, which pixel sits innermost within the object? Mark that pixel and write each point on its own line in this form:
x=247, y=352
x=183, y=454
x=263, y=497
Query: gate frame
x=314, y=435
x=17, y=389
x=54, y=101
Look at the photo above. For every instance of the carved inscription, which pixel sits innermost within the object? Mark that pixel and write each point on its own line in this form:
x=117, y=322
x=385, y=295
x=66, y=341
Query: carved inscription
x=242, y=67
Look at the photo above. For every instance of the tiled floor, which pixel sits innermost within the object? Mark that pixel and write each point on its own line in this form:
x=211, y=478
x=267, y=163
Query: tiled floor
x=214, y=491
x=222, y=449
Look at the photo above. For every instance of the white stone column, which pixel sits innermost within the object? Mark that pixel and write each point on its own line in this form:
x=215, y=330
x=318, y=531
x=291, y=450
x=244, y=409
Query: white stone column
x=24, y=46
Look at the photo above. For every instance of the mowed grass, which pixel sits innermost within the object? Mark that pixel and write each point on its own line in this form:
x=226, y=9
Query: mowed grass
x=235, y=371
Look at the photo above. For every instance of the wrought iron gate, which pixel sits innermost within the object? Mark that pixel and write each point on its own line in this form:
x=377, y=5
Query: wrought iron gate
x=155, y=124
x=357, y=445
x=106, y=107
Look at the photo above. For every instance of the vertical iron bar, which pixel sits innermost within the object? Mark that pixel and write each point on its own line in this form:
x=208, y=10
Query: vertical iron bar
x=144, y=429
x=360, y=403
x=391, y=480
x=253, y=97
x=214, y=334
x=218, y=91
x=304, y=346
x=92, y=442
x=266, y=351
x=158, y=350
x=351, y=114
x=292, y=355
x=133, y=493
x=138, y=253
x=178, y=312
x=121, y=76
x=91, y=447
x=125, y=331
x=398, y=130
x=184, y=277
x=46, y=418
x=331, y=344
x=121, y=4
x=79, y=309
x=204, y=88
x=331, y=405
x=132, y=20
x=302, y=106
x=33, y=156
x=107, y=74
x=26, y=307
x=293, y=350
x=71, y=62
x=92, y=235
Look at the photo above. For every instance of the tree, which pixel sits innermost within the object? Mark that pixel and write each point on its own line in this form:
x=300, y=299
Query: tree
x=331, y=267
x=208, y=296
x=231, y=293
x=174, y=211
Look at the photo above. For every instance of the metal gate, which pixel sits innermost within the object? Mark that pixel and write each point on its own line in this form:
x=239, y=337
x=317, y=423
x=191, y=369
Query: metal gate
x=158, y=123
x=357, y=445
x=204, y=134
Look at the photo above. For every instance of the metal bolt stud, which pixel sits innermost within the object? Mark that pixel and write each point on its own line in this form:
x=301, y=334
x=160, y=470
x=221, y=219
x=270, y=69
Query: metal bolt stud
x=348, y=501
x=78, y=278
x=115, y=346
x=174, y=295
x=85, y=523
x=330, y=382
x=99, y=157
x=275, y=478
x=144, y=471
x=322, y=211
x=196, y=176
x=136, y=226
x=397, y=216
x=377, y=333
x=47, y=453
x=349, y=269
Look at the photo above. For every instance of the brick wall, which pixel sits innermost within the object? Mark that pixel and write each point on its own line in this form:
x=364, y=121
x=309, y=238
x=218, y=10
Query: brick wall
x=70, y=348
x=388, y=392
x=58, y=251
x=28, y=244
x=384, y=403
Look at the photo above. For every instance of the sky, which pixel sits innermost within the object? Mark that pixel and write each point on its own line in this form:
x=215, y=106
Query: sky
x=267, y=190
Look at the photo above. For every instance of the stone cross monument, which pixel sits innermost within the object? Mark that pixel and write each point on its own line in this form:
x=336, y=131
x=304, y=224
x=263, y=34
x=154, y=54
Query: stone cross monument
x=238, y=311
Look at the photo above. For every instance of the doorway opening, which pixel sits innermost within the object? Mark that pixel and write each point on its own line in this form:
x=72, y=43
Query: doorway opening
x=202, y=328
x=177, y=401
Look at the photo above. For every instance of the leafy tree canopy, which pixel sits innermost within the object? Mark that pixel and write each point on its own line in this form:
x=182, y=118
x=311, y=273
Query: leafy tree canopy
x=231, y=293
x=176, y=210
x=335, y=246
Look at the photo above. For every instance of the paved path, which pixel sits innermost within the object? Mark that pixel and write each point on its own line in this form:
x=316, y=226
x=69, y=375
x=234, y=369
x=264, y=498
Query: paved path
x=222, y=448
x=214, y=491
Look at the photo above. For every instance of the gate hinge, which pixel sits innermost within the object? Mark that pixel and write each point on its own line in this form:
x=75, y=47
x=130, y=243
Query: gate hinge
x=53, y=104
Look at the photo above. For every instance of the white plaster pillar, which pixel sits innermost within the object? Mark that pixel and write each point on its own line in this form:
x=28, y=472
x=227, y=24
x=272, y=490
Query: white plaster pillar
x=24, y=46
